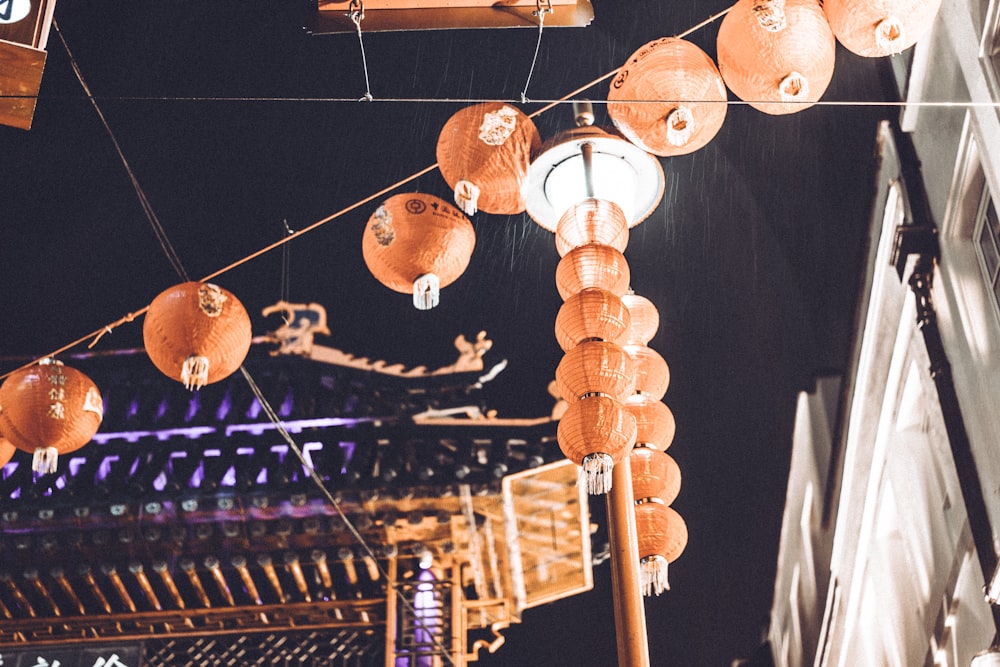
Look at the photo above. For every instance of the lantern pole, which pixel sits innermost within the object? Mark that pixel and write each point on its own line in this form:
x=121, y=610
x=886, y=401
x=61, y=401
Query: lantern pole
x=630, y=615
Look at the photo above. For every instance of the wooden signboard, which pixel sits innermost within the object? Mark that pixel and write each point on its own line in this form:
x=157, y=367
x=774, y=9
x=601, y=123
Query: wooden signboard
x=24, y=31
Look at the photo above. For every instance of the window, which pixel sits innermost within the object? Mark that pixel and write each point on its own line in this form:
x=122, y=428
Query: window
x=987, y=237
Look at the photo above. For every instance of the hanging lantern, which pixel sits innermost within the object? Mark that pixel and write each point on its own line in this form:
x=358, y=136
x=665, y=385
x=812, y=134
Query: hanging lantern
x=197, y=333
x=592, y=265
x=655, y=424
x=662, y=536
x=595, y=367
x=652, y=375
x=590, y=314
x=592, y=221
x=668, y=98
x=6, y=451
x=417, y=244
x=655, y=474
x=876, y=28
x=644, y=318
x=776, y=55
x=49, y=409
x=595, y=433
x=483, y=153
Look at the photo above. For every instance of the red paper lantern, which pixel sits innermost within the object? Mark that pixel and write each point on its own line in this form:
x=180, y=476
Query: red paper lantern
x=592, y=221
x=655, y=474
x=662, y=536
x=590, y=314
x=652, y=375
x=668, y=98
x=49, y=409
x=483, y=153
x=592, y=265
x=595, y=367
x=655, y=425
x=644, y=319
x=776, y=55
x=875, y=28
x=595, y=433
x=197, y=333
x=417, y=244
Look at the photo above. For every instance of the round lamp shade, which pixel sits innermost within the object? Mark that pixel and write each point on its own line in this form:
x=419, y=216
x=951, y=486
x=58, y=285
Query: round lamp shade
x=595, y=367
x=592, y=265
x=644, y=319
x=876, y=28
x=655, y=424
x=662, y=536
x=416, y=244
x=655, y=474
x=483, y=153
x=652, y=375
x=197, y=333
x=592, y=221
x=590, y=314
x=596, y=433
x=776, y=55
x=49, y=409
x=679, y=72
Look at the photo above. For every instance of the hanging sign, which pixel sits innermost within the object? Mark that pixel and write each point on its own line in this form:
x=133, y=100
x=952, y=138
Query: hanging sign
x=107, y=656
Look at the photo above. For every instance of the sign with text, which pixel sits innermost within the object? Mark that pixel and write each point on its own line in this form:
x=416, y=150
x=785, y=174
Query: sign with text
x=62, y=656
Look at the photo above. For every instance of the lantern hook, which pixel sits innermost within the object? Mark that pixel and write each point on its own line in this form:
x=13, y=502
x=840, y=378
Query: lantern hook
x=356, y=12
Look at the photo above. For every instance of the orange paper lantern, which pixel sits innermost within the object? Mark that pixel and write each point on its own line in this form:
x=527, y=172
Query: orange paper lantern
x=668, y=98
x=655, y=425
x=652, y=375
x=197, y=333
x=776, y=55
x=662, y=536
x=592, y=221
x=592, y=265
x=655, y=474
x=590, y=314
x=49, y=409
x=6, y=451
x=595, y=433
x=483, y=153
x=644, y=319
x=875, y=28
x=596, y=367
x=417, y=244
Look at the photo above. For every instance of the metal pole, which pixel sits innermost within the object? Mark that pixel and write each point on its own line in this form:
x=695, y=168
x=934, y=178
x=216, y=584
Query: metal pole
x=630, y=615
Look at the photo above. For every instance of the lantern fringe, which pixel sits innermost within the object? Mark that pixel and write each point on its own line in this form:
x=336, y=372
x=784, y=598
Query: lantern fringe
x=45, y=460
x=889, y=35
x=680, y=126
x=467, y=197
x=653, y=572
x=194, y=372
x=426, y=291
x=596, y=473
x=794, y=87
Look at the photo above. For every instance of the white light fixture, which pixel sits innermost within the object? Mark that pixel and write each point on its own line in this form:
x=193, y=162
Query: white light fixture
x=589, y=162
x=988, y=658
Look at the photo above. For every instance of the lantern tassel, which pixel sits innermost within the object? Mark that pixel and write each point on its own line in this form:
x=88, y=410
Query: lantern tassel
x=467, y=197
x=889, y=35
x=426, y=291
x=794, y=87
x=46, y=460
x=194, y=372
x=597, y=473
x=680, y=126
x=653, y=575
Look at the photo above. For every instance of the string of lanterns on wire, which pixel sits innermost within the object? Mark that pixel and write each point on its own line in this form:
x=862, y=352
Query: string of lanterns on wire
x=668, y=99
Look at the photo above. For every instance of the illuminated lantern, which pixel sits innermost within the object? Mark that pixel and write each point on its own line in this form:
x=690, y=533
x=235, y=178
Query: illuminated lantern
x=652, y=375
x=776, y=55
x=197, y=333
x=875, y=28
x=595, y=367
x=662, y=536
x=644, y=319
x=592, y=221
x=668, y=98
x=655, y=474
x=49, y=409
x=655, y=424
x=483, y=153
x=590, y=314
x=6, y=451
x=592, y=265
x=417, y=244
x=596, y=433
